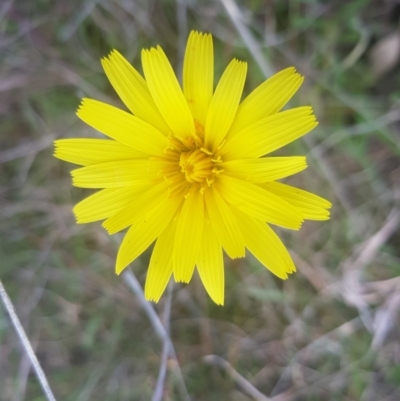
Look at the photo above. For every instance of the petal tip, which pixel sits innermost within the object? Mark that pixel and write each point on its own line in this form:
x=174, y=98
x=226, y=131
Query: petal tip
x=84, y=101
x=56, y=148
x=114, y=53
x=144, y=53
x=77, y=217
x=151, y=296
x=120, y=266
x=108, y=227
x=105, y=59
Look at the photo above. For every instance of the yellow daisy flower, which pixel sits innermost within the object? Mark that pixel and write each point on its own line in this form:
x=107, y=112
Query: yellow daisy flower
x=186, y=166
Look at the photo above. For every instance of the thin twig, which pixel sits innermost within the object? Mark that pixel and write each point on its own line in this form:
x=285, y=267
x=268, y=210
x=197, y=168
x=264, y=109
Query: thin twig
x=26, y=344
x=237, y=377
x=158, y=392
x=234, y=14
x=159, y=328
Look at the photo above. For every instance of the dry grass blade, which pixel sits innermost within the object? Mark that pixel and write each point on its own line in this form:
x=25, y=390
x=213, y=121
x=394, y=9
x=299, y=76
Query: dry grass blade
x=158, y=391
x=26, y=345
x=159, y=328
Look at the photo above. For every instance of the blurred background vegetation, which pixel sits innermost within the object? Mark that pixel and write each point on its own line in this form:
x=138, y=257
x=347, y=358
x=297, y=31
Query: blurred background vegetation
x=330, y=332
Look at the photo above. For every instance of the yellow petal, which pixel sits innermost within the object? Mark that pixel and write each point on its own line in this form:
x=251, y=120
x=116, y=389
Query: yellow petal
x=198, y=76
x=224, y=223
x=210, y=264
x=103, y=204
x=264, y=169
x=269, y=134
x=266, y=99
x=141, y=204
x=224, y=103
x=312, y=206
x=115, y=174
x=132, y=89
x=93, y=151
x=265, y=245
x=258, y=202
x=160, y=267
x=122, y=126
x=166, y=92
x=188, y=236
x=141, y=235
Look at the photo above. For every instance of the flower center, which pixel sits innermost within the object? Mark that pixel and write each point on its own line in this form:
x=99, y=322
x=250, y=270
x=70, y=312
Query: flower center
x=197, y=165
x=187, y=165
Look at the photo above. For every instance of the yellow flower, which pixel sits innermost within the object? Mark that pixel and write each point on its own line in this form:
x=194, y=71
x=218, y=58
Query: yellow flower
x=185, y=167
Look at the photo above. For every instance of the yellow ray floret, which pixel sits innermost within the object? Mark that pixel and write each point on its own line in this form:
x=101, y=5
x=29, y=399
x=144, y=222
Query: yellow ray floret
x=160, y=266
x=265, y=245
x=133, y=90
x=122, y=126
x=259, y=203
x=188, y=235
x=115, y=174
x=142, y=203
x=210, y=264
x=141, y=235
x=104, y=203
x=186, y=167
x=198, y=76
x=93, y=151
x=166, y=92
x=267, y=99
x=270, y=133
x=313, y=207
x=264, y=169
x=224, y=103
x=224, y=224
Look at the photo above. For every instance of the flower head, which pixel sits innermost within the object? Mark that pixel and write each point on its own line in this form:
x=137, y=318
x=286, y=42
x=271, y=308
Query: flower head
x=186, y=167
